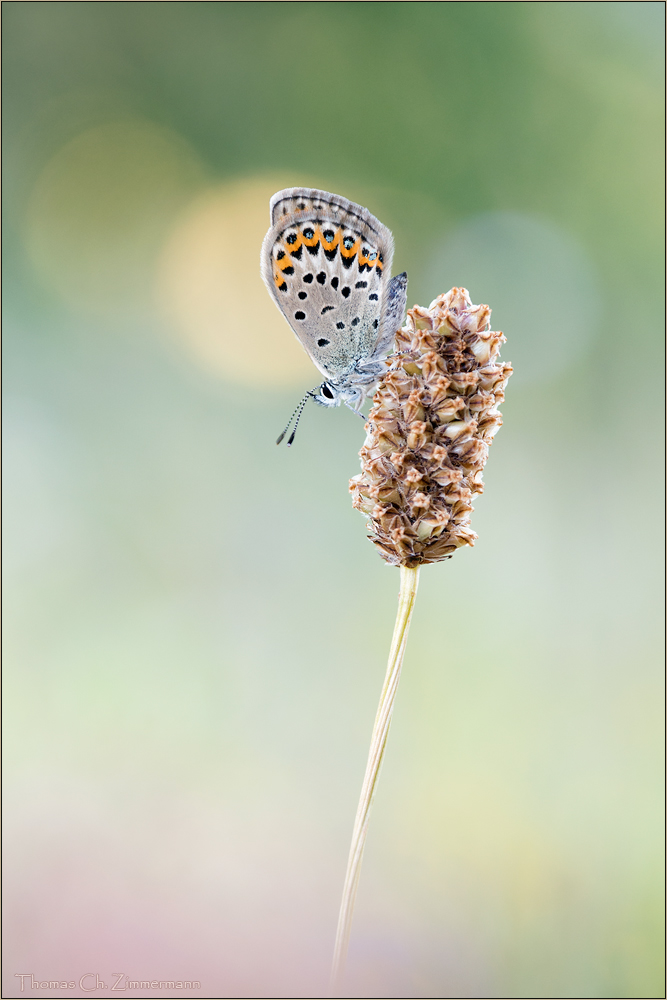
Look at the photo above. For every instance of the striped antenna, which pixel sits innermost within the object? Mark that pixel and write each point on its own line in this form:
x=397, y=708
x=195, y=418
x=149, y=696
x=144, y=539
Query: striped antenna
x=297, y=413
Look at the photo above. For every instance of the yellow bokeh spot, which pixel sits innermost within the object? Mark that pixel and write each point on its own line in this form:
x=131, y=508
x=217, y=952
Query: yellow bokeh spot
x=101, y=208
x=209, y=287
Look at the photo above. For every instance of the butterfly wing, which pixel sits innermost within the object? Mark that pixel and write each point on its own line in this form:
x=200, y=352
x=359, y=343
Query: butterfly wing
x=327, y=264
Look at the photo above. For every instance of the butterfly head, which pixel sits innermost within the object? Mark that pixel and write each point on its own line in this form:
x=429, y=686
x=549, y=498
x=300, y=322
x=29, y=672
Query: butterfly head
x=328, y=395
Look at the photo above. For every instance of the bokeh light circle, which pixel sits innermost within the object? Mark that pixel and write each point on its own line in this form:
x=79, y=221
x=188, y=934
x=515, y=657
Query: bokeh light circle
x=100, y=209
x=209, y=287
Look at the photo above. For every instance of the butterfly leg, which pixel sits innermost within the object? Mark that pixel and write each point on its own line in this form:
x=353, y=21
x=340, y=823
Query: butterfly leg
x=355, y=409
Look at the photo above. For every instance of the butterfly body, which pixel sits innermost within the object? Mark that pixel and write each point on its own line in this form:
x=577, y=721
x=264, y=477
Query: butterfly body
x=327, y=264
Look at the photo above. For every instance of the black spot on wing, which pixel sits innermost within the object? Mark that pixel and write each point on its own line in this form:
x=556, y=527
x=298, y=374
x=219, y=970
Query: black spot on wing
x=309, y=277
x=373, y=297
x=330, y=254
x=303, y=295
x=288, y=270
x=361, y=284
x=334, y=282
x=322, y=342
x=297, y=253
x=321, y=278
x=345, y=292
x=355, y=321
x=326, y=310
x=299, y=314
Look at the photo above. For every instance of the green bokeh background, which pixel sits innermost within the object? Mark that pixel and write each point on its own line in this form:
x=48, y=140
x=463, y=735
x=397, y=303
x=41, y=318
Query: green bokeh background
x=195, y=626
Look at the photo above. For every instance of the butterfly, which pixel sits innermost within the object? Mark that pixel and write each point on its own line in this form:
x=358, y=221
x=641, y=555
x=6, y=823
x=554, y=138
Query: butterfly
x=327, y=265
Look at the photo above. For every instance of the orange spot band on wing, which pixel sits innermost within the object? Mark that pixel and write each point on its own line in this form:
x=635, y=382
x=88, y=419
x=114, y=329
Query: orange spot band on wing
x=318, y=236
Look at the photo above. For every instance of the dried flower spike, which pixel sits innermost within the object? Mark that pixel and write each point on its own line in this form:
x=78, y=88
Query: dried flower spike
x=428, y=434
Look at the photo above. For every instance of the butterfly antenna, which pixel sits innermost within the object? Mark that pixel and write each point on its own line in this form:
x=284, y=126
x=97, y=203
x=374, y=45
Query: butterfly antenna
x=297, y=413
x=298, y=418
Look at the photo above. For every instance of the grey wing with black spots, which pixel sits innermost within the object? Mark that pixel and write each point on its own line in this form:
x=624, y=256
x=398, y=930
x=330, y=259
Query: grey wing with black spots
x=326, y=263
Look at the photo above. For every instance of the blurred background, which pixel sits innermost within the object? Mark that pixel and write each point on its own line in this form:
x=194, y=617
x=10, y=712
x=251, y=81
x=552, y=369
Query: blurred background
x=196, y=627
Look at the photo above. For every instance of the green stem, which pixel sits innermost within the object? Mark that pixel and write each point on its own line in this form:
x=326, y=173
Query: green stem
x=406, y=600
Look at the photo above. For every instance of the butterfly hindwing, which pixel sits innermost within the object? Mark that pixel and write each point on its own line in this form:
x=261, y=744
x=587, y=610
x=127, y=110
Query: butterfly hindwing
x=327, y=263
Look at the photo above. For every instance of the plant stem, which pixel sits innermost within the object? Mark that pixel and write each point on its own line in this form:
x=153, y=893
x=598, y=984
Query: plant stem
x=406, y=600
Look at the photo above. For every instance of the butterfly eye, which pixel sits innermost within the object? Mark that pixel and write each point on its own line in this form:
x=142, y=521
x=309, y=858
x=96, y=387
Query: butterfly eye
x=326, y=391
